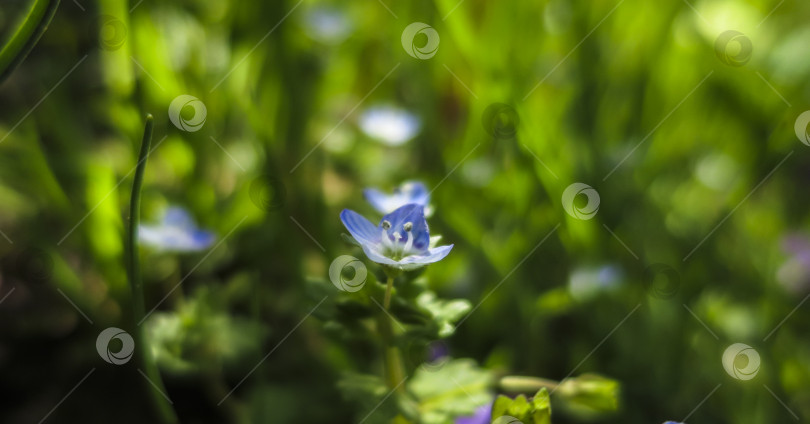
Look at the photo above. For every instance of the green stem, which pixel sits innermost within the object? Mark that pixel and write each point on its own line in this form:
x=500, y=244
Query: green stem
x=521, y=384
x=393, y=363
x=25, y=36
x=164, y=409
x=389, y=287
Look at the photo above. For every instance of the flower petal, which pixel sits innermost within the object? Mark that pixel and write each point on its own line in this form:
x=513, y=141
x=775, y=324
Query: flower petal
x=408, y=263
x=408, y=192
x=378, y=257
x=178, y=217
x=380, y=201
x=416, y=191
x=360, y=228
x=433, y=255
x=415, y=214
x=175, y=239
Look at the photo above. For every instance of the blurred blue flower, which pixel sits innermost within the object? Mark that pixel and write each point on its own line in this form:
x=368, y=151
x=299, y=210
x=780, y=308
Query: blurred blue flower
x=391, y=126
x=588, y=282
x=400, y=241
x=482, y=416
x=409, y=192
x=672, y=422
x=177, y=232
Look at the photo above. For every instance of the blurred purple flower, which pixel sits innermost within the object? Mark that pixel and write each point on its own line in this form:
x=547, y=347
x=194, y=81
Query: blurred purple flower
x=482, y=416
x=794, y=273
x=385, y=243
x=177, y=232
x=408, y=192
x=437, y=351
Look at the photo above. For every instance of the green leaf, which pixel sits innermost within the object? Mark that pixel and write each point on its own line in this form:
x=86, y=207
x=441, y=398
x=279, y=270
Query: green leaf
x=444, y=312
x=375, y=403
x=537, y=410
x=410, y=313
x=456, y=389
x=541, y=407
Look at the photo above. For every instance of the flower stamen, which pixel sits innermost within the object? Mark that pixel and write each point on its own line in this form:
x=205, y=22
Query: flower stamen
x=385, y=240
x=408, y=243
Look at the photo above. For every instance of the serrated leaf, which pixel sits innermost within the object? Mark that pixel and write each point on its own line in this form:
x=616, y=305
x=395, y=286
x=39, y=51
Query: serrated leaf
x=458, y=388
x=444, y=312
x=537, y=410
x=541, y=407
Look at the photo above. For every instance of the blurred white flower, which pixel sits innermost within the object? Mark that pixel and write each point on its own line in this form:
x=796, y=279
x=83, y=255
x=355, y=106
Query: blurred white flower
x=176, y=232
x=327, y=25
x=390, y=125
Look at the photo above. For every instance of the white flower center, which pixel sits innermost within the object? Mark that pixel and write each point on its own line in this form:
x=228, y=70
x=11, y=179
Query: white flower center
x=397, y=249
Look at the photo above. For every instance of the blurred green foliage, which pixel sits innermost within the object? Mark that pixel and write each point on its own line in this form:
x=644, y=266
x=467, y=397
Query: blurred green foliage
x=695, y=161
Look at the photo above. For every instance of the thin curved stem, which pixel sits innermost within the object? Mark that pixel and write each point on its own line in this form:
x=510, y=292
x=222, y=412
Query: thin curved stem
x=25, y=37
x=393, y=363
x=164, y=409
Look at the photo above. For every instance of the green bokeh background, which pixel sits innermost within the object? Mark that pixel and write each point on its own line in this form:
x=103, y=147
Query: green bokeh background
x=714, y=179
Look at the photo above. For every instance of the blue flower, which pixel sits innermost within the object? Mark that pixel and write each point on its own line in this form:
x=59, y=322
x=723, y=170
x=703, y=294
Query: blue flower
x=177, y=232
x=482, y=415
x=672, y=422
x=400, y=241
x=409, y=192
